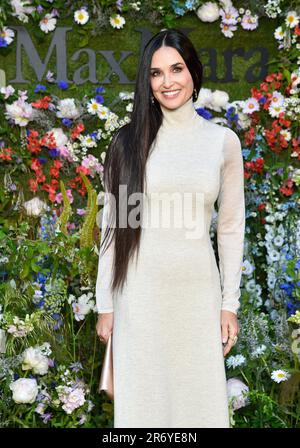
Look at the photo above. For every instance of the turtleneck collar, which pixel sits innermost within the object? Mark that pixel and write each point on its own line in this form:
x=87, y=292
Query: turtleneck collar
x=182, y=116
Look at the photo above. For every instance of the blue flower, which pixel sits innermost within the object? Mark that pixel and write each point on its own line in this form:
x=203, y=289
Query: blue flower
x=42, y=160
x=99, y=89
x=39, y=88
x=99, y=99
x=63, y=85
x=3, y=42
x=54, y=152
x=246, y=153
x=262, y=100
x=204, y=113
x=189, y=4
x=67, y=122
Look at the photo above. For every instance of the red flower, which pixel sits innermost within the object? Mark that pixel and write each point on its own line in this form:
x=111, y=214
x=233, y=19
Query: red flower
x=6, y=153
x=287, y=188
x=42, y=103
x=77, y=130
x=33, y=186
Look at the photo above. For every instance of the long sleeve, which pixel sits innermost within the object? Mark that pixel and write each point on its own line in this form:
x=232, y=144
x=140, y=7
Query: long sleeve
x=231, y=221
x=104, y=298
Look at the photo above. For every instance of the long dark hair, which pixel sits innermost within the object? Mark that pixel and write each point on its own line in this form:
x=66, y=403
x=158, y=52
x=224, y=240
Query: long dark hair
x=129, y=149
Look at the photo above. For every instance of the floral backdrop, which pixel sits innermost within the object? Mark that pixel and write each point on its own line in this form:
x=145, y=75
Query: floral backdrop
x=52, y=148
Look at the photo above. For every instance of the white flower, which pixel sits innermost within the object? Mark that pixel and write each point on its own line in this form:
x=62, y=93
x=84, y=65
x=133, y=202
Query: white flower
x=277, y=99
x=247, y=268
x=87, y=141
x=19, y=111
x=292, y=19
x=81, y=16
x=279, y=33
x=219, y=100
x=208, y=12
x=280, y=375
x=67, y=109
x=48, y=23
x=93, y=107
x=24, y=390
x=103, y=112
x=7, y=91
x=21, y=9
x=72, y=398
x=250, y=105
x=235, y=361
x=83, y=306
x=237, y=393
x=278, y=241
x=117, y=21
x=45, y=349
x=7, y=34
x=34, y=207
x=259, y=351
x=60, y=137
x=274, y=111
x=35, y=360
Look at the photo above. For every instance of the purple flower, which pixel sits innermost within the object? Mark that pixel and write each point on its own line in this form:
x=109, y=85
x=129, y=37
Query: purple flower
x=63, y=85
x=46, y=417
x=39, y=9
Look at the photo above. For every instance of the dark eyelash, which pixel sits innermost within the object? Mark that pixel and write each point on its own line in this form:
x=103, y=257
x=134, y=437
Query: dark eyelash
x=176, y=68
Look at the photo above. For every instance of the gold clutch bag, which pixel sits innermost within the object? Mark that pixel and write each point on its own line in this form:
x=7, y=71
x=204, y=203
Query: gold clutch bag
x=106, y=379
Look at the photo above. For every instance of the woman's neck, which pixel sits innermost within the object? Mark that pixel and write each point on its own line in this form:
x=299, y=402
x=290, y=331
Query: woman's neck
x=182, y=116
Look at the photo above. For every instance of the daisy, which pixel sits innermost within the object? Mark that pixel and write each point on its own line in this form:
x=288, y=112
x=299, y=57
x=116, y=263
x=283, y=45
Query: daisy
x=7, y=34
x=81, y=16
x=274, y=111
x=250, y=105
x=292, y=19
x=93, y=107
x=103, y=112
x=249, y=22
x=279, y=33
x=235, y=361
x=280, y=375
x=117, y=21
x=277, y=99
x=48, y=23
x=87, y=141
x=247, y=268
x=229, y=15
x=227, y=30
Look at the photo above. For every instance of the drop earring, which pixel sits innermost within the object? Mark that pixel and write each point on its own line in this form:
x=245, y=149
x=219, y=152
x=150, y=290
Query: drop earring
x=195, y=96
x=152, y=99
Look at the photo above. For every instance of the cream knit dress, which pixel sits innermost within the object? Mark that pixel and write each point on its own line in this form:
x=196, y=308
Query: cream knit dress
x=169, y=369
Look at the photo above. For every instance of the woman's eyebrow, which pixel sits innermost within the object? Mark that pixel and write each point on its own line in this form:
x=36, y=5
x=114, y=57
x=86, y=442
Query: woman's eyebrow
x=173, y=65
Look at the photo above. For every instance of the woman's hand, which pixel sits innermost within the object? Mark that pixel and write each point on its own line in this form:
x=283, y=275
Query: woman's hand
x=230, y=329
x=104, y=326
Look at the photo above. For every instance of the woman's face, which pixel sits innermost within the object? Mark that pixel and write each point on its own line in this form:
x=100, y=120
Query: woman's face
x=169, y=73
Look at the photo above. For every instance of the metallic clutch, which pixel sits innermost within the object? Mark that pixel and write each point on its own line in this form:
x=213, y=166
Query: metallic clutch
x=106, y=379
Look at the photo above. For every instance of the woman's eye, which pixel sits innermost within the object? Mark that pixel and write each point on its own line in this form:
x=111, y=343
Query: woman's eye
x=176, y=68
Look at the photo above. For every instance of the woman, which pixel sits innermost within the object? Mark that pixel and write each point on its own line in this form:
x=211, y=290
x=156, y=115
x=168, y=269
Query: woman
x=174, y=308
